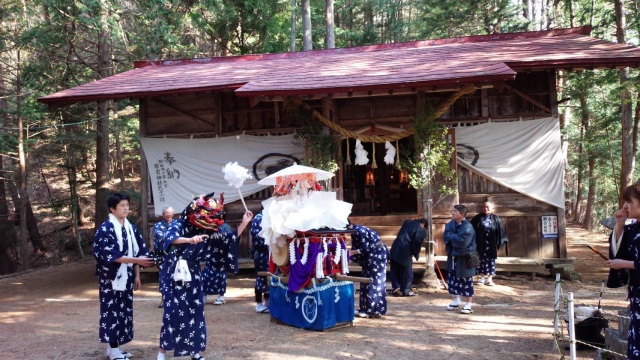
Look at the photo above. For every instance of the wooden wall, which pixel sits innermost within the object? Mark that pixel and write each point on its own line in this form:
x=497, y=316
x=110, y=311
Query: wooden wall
x=521, y=215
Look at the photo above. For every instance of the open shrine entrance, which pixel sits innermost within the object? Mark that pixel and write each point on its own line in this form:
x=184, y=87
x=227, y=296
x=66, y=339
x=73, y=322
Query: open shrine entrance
x=380, y=190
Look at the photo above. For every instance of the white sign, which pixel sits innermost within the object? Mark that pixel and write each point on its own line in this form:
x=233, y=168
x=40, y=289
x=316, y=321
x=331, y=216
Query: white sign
x=550, y=227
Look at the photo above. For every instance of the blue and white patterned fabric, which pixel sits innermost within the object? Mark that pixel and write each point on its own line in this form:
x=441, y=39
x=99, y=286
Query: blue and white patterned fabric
x=459, y=286
x=160, y=230
x=487, y=262
x=260, y=253
x=487, y=266
x=116, y=307
x=224, y=258
x=183, y=323
x=633, y=342
x=373, y=259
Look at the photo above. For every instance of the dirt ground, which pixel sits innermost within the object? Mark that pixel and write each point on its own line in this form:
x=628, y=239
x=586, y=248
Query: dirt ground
x=52, y=313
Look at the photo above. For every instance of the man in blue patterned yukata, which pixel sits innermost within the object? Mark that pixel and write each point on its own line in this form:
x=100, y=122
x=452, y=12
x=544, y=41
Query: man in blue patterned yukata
x=192, y=239
x=459, y=240
x=368, y=250
x=261, y=263
x=119, y=251
x=160, y=230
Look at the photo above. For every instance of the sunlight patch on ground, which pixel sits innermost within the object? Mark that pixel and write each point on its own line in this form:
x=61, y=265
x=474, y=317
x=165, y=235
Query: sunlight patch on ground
x=15, y=317
x=67, y=300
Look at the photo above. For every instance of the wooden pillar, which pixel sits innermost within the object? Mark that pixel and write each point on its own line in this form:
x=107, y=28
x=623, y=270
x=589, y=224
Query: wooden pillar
x=562, y=221
x=144, y=177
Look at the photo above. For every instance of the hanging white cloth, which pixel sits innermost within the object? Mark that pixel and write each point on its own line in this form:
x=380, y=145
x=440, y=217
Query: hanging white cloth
x=120, y=282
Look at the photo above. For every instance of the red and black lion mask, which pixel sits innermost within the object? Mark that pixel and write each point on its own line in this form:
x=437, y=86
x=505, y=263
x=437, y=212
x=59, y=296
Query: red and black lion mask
x=205, y=212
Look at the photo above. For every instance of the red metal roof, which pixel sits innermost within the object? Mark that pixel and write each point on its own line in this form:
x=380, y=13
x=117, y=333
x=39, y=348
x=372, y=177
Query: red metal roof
x=471, y=59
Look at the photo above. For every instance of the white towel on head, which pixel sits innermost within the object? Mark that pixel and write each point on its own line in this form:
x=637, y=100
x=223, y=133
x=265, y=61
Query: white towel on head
x=120, y=282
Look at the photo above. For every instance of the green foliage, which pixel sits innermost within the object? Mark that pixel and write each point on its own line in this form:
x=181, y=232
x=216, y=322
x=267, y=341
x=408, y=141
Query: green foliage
x=432, y=168
x=319, y=142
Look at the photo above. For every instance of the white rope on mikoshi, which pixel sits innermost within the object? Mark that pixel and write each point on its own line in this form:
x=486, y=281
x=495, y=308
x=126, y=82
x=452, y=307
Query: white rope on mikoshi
x=345, y=262
x=336, y=258
x=319, y=267
x=327, y=285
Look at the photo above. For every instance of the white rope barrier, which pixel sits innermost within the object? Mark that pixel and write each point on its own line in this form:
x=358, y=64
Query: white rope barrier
x=567, y=306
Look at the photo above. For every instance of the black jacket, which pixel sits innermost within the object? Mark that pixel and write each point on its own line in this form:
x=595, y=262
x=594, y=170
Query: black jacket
x=496, y=238
x=408, y=242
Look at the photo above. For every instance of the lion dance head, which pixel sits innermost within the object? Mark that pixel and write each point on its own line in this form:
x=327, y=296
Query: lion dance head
x=205, y=212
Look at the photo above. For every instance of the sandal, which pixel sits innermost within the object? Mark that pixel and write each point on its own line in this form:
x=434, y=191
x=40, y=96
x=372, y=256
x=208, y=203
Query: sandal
x=466, y=310
x=219, y=302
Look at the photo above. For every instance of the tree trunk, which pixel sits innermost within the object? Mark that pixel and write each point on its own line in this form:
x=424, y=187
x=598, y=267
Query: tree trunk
x=591, y=194
x=306, y=25
x=627, y=156
x=331, y=34
x=102, y=125
x=119, y=162
x=576, y=207
x=31, y=222
x=294, y=6
x=8, y=236
x=22, y=165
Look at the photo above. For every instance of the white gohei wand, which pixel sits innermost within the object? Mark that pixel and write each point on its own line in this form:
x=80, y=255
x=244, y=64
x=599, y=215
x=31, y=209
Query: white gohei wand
x=236, y=175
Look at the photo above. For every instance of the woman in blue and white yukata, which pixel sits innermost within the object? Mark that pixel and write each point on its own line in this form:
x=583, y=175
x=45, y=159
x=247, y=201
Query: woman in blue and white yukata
x=368, y=250
x=459, y=240
x=261, y=263
x=630, y=209
x=119, y=251
x=191, y=240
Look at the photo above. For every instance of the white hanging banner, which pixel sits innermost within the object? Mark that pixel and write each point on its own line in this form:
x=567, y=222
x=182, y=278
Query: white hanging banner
x=525, y=156
x=183, y=168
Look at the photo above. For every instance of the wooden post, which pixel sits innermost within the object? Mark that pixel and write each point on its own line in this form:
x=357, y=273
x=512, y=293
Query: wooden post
x=144, y=177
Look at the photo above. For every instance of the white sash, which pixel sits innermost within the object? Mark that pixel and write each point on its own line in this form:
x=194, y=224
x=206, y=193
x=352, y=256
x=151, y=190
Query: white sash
x=120, y=282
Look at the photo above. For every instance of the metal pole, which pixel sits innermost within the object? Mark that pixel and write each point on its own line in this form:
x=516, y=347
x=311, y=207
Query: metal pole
x=572, y=329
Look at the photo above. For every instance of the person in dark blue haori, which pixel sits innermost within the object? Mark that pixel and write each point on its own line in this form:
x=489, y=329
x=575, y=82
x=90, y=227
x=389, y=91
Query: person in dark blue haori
x=261, y=262
x=224, y=259
x=630, y=209
x=459, y=240
x=160, y=230
x=191, y=240
x=368, y=250
x=490, y=235
x=406, y=245
x=119, y=251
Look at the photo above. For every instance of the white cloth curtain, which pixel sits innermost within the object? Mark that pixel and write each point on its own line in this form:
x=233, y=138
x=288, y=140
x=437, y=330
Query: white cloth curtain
x=183, y=168
x=525, y=156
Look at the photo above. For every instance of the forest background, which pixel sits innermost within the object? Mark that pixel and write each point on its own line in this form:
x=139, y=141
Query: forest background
x=57, y=164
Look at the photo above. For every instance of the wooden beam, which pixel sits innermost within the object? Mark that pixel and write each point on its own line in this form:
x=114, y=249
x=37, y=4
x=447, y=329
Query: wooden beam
x=527, y=97
x=144, y=177
x=193, y=117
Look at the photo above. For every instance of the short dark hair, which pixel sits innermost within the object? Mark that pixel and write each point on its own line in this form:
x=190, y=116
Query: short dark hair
x=632, y=191
x=461, y=209
x=423, y=221
x=114, y=199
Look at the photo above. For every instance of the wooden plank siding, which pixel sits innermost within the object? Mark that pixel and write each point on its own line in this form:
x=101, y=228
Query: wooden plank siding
x=521, y=215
